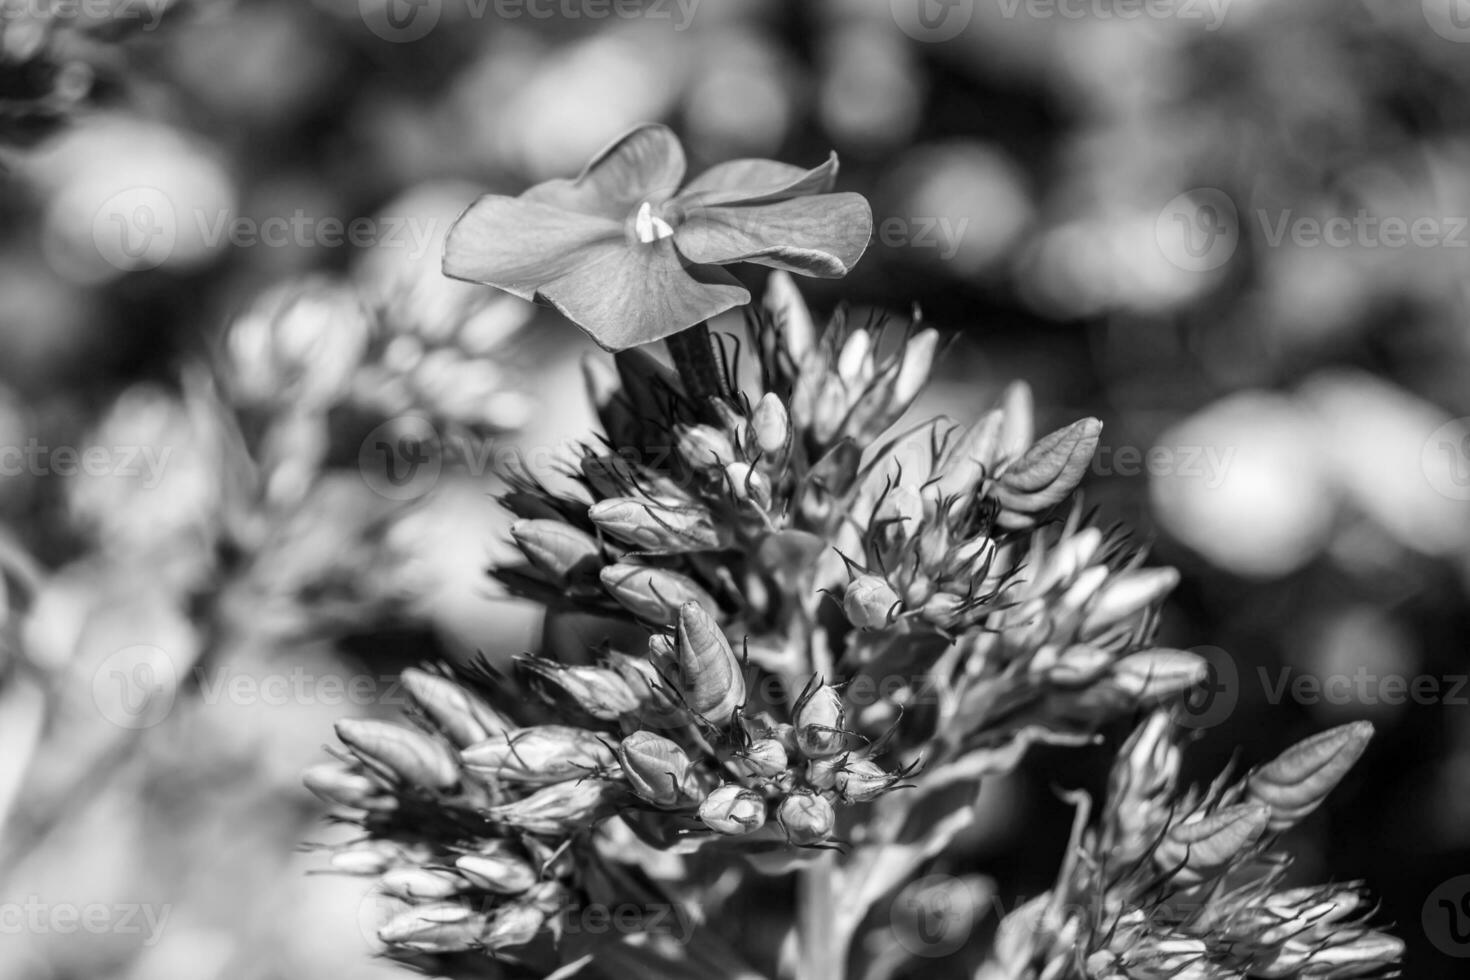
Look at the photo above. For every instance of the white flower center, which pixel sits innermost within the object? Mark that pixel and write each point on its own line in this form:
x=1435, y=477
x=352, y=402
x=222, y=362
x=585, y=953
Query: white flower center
x=650, y=227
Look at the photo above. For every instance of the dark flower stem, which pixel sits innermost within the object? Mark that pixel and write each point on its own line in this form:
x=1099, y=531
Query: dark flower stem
x=693, y=351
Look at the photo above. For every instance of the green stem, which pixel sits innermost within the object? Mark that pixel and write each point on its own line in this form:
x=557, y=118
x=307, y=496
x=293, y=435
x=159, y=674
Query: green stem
x=817, y=955
x=693, y=351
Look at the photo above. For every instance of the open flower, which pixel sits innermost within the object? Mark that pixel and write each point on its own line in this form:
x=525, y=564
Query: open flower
x=631, y=258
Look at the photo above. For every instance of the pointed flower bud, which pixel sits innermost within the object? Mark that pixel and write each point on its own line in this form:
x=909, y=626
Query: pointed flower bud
x=442, y=927
x=1019, y=413
x=539, y=756
x=772, y=425
x=1152, y=674
x=704, y=446
x=1124, y=595
x=710, y=675
x=402, y=753
x=334, y=784
x=657, y=529
x=559, y=808
x=558, y=550
x=600, y=692
x=497, y=869
x=870, y=602
x=514, y=925
x=733, y=810
x=863, y=780
x=658, y=770
x=818, y=720
x=369, y=858
x=654, y=595
x=913, y=374
x=763, y=760
x=460, y=714
x=806, y=818
x=1299, y=779
x=1078, y=666
x=1047, y=473
x=422, y=884
x=1212, y=841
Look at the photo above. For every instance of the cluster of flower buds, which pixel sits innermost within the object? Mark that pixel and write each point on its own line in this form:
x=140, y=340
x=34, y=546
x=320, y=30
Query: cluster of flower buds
x=1187, y=884
x=471, y=844
x=321, y=342
x=769, y=508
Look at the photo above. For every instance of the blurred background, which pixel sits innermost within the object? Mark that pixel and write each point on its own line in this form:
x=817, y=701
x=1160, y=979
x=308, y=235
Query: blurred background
x=1235, y=230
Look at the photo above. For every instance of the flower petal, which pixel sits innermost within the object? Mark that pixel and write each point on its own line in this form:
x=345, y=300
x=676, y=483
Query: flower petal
x=757, y=181
x=519, y=246
x=646, y=164
x=820, y=236
x=629, y=295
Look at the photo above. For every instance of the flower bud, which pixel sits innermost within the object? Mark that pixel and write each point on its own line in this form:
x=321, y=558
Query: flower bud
x=443, y=927
x=539, y=756
x=1124, y=595
x=334, y=784
x=806, y=818
x=704, y=446
x=1047, y=473
x=368, y=858
x=514, y=925
x=789, y=312
x=1298, y=780
x=733, y=810
x=1209, y=842
x=497, y=869
x=1152, y=674
x=559, y=808
x=913, y=374
x=658, y=770
x=863, y=780
x=870, y=602
x=422, y=884
x=764, y=759
x=656, y=529
x=749, y=485
x=710, y=675
x=822, y=773
x=558, y=550
x=461, y=715
x=1078, y=666
x=654, y=595
x=1018, y=412
x=1066, y=560
x=818, y=720
x=600, y=692
x=402, y=753
x=772, y=425
x=967, y=461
